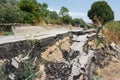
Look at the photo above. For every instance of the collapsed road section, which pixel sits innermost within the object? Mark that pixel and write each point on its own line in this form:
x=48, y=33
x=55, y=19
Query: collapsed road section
x=68, y=56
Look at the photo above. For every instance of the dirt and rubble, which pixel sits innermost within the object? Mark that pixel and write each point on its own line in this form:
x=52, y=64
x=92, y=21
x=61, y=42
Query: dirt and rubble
x=69, y=56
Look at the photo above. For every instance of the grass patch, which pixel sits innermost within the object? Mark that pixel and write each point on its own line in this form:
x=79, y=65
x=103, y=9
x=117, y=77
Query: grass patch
x=7, y=33
x=2, y=75
x=96, y=78
x=99, y=41
x=27, y=71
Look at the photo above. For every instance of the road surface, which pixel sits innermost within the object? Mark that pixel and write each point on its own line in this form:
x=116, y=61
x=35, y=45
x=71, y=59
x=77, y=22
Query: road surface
x=34, y=32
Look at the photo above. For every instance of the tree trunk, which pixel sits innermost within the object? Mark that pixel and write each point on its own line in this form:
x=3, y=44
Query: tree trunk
x=99, y=30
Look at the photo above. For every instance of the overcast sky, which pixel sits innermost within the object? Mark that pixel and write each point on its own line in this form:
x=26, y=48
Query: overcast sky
x=79, y=8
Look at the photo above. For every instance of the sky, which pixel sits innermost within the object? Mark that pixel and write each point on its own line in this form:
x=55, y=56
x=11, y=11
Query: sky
x=79, y=8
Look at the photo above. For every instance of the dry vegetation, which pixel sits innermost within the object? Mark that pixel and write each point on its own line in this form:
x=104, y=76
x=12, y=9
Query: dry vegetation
x=112, y=32
x=110, y=72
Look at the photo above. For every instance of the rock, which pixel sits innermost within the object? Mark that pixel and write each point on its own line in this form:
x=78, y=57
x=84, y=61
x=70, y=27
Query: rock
x=90, y=43
x=79, y=64
x=57, y=71
x=114, y=46
x=115, y=59
x=2, y=62
x=81, y=77
x=16, y=60
x=74, y=38
x=11, y=76
x=100, y=46
x=14, y=63
x=72, y=55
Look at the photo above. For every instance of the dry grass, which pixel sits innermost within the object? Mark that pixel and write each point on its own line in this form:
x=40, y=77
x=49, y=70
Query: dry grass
x=110, y=72
x=112, y=32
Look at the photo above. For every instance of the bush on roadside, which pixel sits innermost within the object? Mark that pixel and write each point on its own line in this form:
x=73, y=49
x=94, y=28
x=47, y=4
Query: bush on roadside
x=79, y=22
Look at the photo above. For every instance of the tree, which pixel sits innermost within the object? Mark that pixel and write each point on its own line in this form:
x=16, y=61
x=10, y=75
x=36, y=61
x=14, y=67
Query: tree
x=9, y=14
x=53, y=15
x=75, y=22
x=43, y=10
x=78, y=22
x=66, y=19
x=31, y=10
x=28, y=5
x=100, y=13
x=9, y=11
x=13, y=2
x=63, y=11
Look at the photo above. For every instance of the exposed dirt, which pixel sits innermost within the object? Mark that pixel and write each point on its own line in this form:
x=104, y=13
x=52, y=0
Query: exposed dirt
x=41, y=73
x=54, y=53
x=110, y=72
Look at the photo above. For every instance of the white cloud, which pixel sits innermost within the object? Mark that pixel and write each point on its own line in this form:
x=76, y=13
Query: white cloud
x=51, y=9
x=77, y=14
x=74, y=14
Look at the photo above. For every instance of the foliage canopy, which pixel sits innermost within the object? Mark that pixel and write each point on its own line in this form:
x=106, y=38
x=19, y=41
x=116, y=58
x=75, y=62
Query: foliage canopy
x=100, y=12
x=63, y=11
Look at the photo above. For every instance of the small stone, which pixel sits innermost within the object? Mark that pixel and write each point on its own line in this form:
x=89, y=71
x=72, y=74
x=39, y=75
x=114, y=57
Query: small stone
x=114, y=59
x=15, y=63
x=100, y=46
x=113, y=44
x=90, y=43
x=81, y=77
x=2, y=62
x=57, y=43
x=98, y=71
x=11, y=76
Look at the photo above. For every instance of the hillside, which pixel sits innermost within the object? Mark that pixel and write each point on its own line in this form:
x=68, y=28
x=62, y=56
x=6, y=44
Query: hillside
x=112, y=31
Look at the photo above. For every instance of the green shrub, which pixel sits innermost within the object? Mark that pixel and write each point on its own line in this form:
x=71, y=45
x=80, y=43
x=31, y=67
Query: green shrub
x=99, y=40
x=113, y=26
x=2, y=75
x=7, y=33
x=27, y=71
x=66, y=19
x=79, y=22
